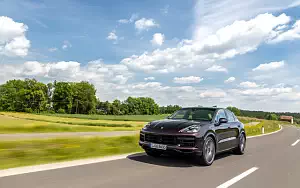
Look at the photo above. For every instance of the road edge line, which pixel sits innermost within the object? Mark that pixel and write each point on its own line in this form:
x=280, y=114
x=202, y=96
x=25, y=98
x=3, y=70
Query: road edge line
x=266, y=133
x=58, y=165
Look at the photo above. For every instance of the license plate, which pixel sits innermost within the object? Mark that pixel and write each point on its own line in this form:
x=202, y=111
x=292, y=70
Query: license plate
x=158, y=146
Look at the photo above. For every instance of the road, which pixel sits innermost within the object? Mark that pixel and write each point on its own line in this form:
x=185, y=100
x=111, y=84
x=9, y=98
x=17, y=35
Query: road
x=269, y=161
x=22, y=136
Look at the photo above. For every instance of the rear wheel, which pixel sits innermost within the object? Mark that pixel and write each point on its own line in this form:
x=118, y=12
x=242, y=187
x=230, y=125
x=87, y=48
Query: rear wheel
x=240, y=150
x=208, y=152
x=153, y=153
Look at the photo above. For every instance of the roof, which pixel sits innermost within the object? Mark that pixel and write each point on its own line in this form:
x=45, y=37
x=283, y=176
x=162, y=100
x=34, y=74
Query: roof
x=286, y=117
x=202, y=107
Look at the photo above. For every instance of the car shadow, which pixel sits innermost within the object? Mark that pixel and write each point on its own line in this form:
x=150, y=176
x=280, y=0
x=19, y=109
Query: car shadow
x=171, y=161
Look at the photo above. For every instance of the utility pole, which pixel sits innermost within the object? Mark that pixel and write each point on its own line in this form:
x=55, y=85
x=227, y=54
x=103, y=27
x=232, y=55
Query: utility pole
x=77, y=106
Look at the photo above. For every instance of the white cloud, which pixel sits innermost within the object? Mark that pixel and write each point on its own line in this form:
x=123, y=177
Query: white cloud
x=95, y=71
x=187, y=80
x=229, y=80
x=158, y=39
x=149, y=78
x=266, y=91
x=249, y=84
x=130, y=20
x=145, y=24
x=52, y=49
x=216, y=68
x=13, y=41
x=239, y=38
x=291, y=34
x=212, y=94
x=112, y=36
x=66, y=45
x=269, y=66
x=210, y=15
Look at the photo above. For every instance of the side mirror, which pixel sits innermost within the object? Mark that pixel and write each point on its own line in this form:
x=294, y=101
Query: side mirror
x=222, y=120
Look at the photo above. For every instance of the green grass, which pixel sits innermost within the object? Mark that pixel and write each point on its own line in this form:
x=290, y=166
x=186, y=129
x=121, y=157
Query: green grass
x=74, y=121
x=33, y=152
x=143, y=118
x=16, y=125
x=269, y=126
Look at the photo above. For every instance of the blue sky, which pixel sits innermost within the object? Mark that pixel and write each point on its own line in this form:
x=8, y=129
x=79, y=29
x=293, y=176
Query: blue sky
x=200, y=52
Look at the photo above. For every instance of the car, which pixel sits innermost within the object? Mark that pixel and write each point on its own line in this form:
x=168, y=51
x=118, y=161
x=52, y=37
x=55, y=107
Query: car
x=199, y=131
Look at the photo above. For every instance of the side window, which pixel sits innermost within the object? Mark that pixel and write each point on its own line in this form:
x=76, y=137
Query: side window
x=220, y=114
x=230, y=116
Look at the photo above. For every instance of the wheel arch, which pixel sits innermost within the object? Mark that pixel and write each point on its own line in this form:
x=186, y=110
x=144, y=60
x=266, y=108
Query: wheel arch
x=213, y=135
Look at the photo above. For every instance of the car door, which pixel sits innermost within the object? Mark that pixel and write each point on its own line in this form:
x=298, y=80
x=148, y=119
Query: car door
x=222, y=131
x=233, y=129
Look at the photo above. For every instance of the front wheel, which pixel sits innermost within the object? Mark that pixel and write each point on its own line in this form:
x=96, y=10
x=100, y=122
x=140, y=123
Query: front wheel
x=240, y=150
x=208, y=152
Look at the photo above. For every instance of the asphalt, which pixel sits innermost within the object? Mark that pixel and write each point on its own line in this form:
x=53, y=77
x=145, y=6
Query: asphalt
x=276, y=160
x=23, y=136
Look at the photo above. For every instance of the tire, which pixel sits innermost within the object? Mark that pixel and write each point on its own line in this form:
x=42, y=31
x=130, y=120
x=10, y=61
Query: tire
x=208, y=152
x=153, y=153
x=240, y=150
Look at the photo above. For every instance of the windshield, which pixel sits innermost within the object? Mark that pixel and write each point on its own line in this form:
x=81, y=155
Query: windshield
x=199, y=114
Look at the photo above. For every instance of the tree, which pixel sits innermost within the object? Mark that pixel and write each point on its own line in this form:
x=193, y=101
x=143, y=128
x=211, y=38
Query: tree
x=271, y=117
x=23, y=95
x=235, y=110
x=62, y=96
x=83, y=98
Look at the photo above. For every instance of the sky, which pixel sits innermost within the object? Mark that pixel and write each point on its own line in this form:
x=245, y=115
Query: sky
x=196, y=52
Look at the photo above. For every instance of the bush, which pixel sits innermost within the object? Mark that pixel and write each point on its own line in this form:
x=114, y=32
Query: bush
x=28, y=110
x=61, y=111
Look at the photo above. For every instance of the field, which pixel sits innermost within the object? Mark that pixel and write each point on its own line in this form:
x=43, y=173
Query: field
x=74, y=121
x=142, y=118
x=40, y=151
x=10, y=124
x=33, y=152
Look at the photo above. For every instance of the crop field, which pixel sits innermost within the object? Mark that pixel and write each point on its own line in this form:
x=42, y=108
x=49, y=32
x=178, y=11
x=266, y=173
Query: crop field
x=16, y=125
x=74, y=121
x=141, y=118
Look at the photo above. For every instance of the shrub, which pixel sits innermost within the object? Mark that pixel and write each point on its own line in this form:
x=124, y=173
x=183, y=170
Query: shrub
x=28, y=110
x=61, y=111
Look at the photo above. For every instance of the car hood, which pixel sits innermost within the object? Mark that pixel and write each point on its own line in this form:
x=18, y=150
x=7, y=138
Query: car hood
x=170, y=125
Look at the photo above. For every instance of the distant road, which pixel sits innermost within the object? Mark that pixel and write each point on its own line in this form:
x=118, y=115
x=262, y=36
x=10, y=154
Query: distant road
x=21, y=136
x=269, y=161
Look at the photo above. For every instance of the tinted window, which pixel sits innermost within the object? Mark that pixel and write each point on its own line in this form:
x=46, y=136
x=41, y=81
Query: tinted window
x=221, y=114
x=230, y=116
x=194, y=114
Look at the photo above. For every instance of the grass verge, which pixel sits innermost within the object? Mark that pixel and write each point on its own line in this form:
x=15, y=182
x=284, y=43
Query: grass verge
x=34, y=152
x=269, y=126
x=10, y=125
x=74, y=121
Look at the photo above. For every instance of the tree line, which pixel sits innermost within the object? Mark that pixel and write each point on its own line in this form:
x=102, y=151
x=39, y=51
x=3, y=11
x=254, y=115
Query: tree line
x=32, y=96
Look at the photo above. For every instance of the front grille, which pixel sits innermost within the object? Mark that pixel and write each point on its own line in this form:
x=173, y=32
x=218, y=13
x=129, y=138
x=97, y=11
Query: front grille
x=186, y=141
x=183, y=141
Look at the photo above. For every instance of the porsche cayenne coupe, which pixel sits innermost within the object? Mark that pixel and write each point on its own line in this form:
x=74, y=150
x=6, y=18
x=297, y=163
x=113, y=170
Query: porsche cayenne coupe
x=201, y=131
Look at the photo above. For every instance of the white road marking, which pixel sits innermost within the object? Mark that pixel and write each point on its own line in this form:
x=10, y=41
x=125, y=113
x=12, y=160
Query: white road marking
x=295, y=142
x=237, y=178
x=38, y=168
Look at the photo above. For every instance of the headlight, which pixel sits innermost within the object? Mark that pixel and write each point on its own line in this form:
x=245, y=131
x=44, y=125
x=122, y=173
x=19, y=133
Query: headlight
x=191, y=129
x=146, y=126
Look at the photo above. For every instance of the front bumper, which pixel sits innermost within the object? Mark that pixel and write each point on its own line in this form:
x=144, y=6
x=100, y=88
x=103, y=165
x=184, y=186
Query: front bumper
x=173, y=149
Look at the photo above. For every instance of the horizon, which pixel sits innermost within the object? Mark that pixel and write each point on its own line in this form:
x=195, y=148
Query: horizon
x=179, y=53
